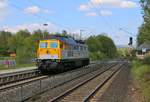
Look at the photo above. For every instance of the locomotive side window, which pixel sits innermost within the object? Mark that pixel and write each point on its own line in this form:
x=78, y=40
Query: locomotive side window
x=85, y=48
x=53, y=45
x=81, y=48
x=76, y=47
x=43, y=44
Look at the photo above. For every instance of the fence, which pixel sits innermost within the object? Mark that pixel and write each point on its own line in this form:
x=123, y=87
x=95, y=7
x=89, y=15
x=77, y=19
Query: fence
x=8, y=63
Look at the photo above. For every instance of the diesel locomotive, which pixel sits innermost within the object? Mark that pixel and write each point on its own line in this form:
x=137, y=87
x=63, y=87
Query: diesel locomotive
x=59, y=53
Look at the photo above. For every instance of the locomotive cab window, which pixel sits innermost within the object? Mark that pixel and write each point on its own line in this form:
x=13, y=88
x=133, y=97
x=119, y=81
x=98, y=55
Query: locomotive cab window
x=53, y=45
x=43, y=44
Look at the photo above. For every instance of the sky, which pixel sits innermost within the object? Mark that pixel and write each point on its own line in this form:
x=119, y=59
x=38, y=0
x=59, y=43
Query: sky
x=119, y=19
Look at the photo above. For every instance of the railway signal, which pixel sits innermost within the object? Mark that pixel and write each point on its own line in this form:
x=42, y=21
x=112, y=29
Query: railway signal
x=130, y=41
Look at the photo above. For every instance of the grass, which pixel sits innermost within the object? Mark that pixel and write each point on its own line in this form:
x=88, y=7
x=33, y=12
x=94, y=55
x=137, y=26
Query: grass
x=17, y=66
x=4, y=68
x=141, y=73
x=25, y=65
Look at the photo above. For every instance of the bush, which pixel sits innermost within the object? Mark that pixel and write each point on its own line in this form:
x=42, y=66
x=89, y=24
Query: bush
x=101, y=47
x=97, y=56
x=146, y=60
x=140, y=72
x=139, y=69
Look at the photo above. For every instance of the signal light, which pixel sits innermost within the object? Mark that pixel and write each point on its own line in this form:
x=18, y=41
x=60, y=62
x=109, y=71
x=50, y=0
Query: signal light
x=130, y=41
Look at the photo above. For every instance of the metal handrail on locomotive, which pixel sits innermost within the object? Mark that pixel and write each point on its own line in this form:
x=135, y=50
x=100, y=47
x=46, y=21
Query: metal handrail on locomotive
x=60, y=53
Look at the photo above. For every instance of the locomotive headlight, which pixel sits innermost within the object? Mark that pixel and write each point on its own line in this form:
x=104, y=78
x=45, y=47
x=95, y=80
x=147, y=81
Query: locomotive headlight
x=38, y=60
x=47, y=52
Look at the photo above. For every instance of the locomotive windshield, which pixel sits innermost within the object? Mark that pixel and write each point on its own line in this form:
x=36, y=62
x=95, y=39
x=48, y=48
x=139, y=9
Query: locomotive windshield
x=53, y=45
x=43, y=44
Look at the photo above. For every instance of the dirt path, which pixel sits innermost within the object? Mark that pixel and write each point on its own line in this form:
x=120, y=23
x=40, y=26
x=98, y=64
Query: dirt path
x=134, y=92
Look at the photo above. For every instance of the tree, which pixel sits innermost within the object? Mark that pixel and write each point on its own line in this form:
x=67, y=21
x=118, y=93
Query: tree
x=64, y=33
x=23, y=33
x=108, y=46
x=101, y=47
x=23, y=43
x=26, y=52
x=144, y=30
x=4, y=37
x=144, y=34
x=27, y=49
x=17, y=40
x=93, y=44
x=18, y=43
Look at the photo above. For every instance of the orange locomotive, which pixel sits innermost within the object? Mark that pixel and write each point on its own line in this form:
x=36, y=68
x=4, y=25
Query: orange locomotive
x=58, y=53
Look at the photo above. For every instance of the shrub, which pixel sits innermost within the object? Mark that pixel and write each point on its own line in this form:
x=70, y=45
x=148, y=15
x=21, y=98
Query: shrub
x=141, y=71
x=146, y=60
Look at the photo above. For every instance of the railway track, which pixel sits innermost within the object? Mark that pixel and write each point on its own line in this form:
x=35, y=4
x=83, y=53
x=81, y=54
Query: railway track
x=31, y=87
x=9, y=78
x=84, y=91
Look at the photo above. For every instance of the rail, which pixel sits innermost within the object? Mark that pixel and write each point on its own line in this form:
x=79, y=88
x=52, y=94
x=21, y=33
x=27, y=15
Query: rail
x=30, y=88
x=17, y=76
x=55, y=99
x=89, y=97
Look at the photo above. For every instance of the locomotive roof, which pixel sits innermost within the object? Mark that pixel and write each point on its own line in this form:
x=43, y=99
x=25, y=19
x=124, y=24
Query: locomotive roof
x=66, y=39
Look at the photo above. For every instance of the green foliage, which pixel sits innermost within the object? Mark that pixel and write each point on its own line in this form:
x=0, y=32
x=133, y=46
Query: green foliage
x=24, y=55
x=23, y=43
x=97, y=55
x=146, y=60
x=101, y=47
x=139, y=69
x=23, y=33
x=126, y=52
x=144, y=30
x=144, y=33
x=122, y=52
x=4, y=37
x=141, y=72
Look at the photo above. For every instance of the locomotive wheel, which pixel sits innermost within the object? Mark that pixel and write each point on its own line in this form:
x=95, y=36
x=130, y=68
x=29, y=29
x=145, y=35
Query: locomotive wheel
x=60, y=68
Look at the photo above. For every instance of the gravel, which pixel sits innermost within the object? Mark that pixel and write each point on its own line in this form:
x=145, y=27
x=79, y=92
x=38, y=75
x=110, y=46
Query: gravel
x=117, y=91
x=56, y=91
x=23, y=92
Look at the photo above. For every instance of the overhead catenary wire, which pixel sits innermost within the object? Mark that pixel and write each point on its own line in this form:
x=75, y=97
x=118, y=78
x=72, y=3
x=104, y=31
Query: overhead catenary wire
x=39, y=5
x=44, y=19
x=114, y=26
x=102, y=17
x=110, y=24
x=33, y=3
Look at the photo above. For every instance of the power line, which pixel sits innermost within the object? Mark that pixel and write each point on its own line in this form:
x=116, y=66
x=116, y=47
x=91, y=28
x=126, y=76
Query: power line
x=38, y=16
x=31, y=2
x=127, y=31
x=105, y=21
x=114, y=26
x=122, y=28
